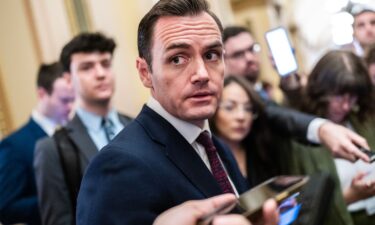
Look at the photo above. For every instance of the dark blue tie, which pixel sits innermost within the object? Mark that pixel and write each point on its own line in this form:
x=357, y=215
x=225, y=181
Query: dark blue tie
x=109, y=128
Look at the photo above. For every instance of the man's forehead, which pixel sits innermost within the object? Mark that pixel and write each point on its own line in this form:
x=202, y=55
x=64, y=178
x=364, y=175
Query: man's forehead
x=240, y=41
x=172, y=29
x=90, y=56
x=364, y=16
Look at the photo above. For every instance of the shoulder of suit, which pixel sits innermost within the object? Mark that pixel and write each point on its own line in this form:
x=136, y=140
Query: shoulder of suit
x=24, y=130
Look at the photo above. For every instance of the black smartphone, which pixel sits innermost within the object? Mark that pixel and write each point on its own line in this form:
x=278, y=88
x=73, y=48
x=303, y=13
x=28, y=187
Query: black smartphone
x=284, y=189
x=281, y=51
x=369, y=153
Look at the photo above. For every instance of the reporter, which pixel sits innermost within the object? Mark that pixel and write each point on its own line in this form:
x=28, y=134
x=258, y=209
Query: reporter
x=189, y=212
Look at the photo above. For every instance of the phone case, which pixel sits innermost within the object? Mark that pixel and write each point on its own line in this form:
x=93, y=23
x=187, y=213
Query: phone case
x=316, y=199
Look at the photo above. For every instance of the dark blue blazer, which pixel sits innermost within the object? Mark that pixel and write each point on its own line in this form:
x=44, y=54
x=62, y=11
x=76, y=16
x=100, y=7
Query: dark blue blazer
x=18, y=196
x=148, y=168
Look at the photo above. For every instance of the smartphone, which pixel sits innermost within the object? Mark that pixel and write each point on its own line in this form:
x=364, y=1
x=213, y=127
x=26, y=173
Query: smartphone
x=281, y=51
x=284, y=189
x=369, y=153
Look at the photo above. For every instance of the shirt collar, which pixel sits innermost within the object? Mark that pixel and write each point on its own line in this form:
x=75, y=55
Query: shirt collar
x=93, y=121
x=359, y=51
x=48, y=125
x=189, y=131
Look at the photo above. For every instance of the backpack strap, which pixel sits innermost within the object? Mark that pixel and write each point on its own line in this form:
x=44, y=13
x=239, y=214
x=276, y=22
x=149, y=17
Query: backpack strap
x=70, y=163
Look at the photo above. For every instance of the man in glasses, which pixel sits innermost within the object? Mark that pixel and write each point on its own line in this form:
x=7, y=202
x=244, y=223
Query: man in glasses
x=241, y=53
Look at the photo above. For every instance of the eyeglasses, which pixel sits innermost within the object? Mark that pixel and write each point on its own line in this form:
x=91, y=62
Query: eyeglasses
x=253, y=49
x=234, y=107
x=344, y=98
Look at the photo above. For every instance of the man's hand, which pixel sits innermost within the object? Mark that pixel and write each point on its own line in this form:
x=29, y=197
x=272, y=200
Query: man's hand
x=190, y=212
x=343, y=142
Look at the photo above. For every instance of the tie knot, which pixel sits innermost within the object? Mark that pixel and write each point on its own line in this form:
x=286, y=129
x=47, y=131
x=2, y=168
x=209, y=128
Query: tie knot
x=205, y=140
x=106, y=122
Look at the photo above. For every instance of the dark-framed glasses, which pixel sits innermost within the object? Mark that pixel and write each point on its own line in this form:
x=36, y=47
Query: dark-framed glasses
x=240, y=54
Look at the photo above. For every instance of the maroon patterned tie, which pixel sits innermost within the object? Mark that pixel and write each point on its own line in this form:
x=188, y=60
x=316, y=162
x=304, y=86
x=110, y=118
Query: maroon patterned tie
x=215, y=163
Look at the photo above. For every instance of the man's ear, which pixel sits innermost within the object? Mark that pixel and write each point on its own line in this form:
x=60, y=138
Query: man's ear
x=144, y=72
x=41, y=92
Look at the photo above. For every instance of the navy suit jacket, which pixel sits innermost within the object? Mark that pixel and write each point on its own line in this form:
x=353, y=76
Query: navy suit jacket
x=18, y=196
x=148, y=168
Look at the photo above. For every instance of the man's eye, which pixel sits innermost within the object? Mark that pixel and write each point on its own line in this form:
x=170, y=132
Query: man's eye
x=178, y=60
x=212, y=56
x=106, y=64
x=85, y=67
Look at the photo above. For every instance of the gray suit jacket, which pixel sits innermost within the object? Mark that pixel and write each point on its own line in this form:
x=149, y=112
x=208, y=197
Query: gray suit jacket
x=53, y=195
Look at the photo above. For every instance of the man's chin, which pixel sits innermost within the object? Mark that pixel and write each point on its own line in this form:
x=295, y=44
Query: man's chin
x=199, y=115
x=252, y=77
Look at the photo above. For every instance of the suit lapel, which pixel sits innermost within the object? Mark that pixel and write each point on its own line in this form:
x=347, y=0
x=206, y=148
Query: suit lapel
x=179, y=151
x=78, y=133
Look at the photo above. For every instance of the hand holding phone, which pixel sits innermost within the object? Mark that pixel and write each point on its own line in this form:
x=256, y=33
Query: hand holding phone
x=369, y=153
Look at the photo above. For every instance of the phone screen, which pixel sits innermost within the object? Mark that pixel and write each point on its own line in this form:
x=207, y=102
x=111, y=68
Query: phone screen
x=282, y=51
x=289, y=209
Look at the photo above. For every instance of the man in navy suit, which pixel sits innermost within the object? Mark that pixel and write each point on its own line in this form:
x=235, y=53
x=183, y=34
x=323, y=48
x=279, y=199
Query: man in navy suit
x=18, y=196
x=157, y=162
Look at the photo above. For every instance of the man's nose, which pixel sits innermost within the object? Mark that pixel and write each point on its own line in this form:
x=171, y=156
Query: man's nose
x=249, y=55
x=99, y=70
x=200, y=71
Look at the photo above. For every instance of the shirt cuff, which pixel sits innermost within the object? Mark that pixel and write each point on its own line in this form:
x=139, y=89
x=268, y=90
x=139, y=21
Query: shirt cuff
x=313, y=130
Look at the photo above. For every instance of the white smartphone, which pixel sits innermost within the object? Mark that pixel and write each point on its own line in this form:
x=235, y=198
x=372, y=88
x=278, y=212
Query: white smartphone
x=282, y=51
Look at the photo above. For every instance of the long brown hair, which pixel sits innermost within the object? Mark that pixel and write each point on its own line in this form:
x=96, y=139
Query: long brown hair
x=339, y=72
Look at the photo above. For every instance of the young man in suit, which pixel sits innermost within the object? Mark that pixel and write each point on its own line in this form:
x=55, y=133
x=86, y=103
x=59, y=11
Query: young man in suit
x=18, y=195
x=167, y=155
x=87, y=59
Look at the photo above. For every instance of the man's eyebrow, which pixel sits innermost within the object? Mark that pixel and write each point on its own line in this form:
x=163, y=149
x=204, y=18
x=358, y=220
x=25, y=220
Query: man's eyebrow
x=177, y=46
x=217, y=44
x=86, y=63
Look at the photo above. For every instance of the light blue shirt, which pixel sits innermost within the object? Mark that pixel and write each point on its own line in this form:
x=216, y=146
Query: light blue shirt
x=93, y=124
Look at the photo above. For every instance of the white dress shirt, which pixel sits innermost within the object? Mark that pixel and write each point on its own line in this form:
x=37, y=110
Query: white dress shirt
x=49, y=126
